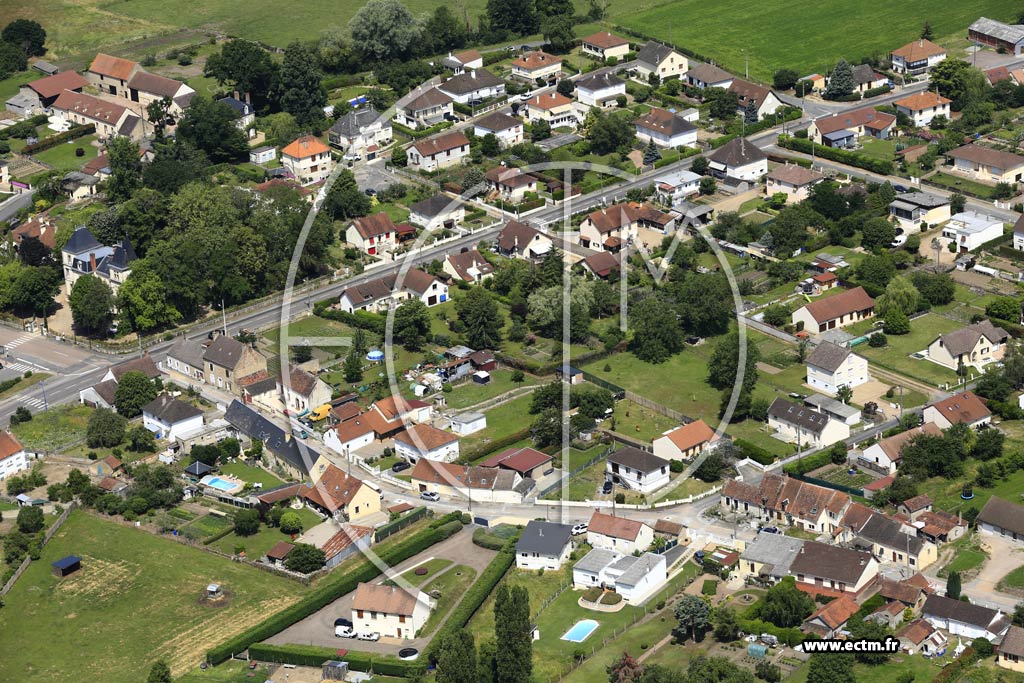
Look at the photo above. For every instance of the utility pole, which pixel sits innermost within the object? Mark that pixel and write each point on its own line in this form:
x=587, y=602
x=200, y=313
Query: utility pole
x=224, y=316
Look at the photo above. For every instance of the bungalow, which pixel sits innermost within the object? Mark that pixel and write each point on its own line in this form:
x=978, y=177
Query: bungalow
x=842, y=130
x=665, y=129
x=965, y=408
x=600, y=89
x=914, y=506
x=511, y=184
x=976, y=346
x=661, y=60
x=836, y=311
x=674, y=188
x=543, y=545
x=885, y=455
x=111, y=120
x=792, y=180
x=805, y=426
x=1003, y=37
x=381, y=294
x=463, y=61
x=12, y=455
x=738, y=161
x=960, y=618
x=508, y=129
x=110, y=75
x=921, y=636
x=349, y=436
x=553, y=107
x=536, y=64
x=970, y=229
x=437, y=212
x=637, y=470
x=528, y=462
x=866, y=78
x=391, y=611
x=520, y=240
x=601, y=264
x=916, y=58
x=634, y=577
x=473, y=86
x=475, y=483
x=999, y=73
x=169, y=418
x=831, y=570
x=146, y=88
x=425, y=110
x=281, y=448
x=988, y=164
x=78, y=186
x=922, y=107
x=468, y=266
x=308, y=159
x=37, y=96
x=604, y=46
x=708, y=76
x=425, y=442
x=439, y=152
x=1002, y=517
x=618, y=533
x=245, y=113
x=685, y=442
x=829, y=620
x=399, y=409
x=831, y=366
x=372, y=234
x=359, y=130
x=917, y=211
x=1010, y=653
x=768, y=557
x=764, y=100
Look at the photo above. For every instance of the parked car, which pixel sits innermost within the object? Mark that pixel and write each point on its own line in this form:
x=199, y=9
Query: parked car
x=607, y=488
x=580, y=529
x=367, y=635
x=902, y=189
x=525, y=97
x=768, y=530
x=344, y=632
x=430, y=495
x=400, y=466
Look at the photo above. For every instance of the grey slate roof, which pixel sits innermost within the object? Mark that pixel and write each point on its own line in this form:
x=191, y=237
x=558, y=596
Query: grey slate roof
x=948, y=608
x=168, y=409
x=1003, y=514
x=544, y=538
x=637, y=459
x=863, y=73
x=596, y=560
x=599, y=81
x=709, y=73
x=829, y=405
x=923, y=199
x=737, y=152
x=435, y=206
x=349, y=124
x=885, y=531
x=639, y=568
x=653, y=52
x=224, y=351
x=241, y=108
x=830, y=562
x=774, y=549
x=470, y=81
x=964, y=340
x=188, y=351
x=275, y=439
x=497, y=121
x=807, y=419
x=81, y=241
x=1011, y=33
x=828, y=356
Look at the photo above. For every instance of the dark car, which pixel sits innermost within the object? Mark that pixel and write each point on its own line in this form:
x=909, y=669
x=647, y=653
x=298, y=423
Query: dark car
x=607, y=488
x=768, y=530
x=370, y=192
x=342, y=621
x=902, y=189
x=400, y=465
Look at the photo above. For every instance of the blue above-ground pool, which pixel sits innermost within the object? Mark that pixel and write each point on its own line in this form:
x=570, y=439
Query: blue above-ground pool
x=580, y=631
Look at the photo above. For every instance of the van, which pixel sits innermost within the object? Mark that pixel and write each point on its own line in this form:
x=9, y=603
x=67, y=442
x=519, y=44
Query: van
x=320, y=412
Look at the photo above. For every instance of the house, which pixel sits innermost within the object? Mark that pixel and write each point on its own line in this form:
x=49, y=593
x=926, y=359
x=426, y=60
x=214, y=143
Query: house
x=916, y=58
x=110, y=75
x=107, y=467
x=426, y=110
x=600, y=89
x=111, y=119
x=939, y=526
x=185, y=360
x=976, y=346
x=884, y=538
x=543, y=545
x=603, y=45
x=463, y=61
x=708, y=76
x=146, y=88
x=1010, y=653
x=536, y=64
x=835, y=410
x=970, y=229
x=391, y=611
x=665, y=129
x=999, y=73
x=528, y=462
x=960, y=618
x=637, y=470
x=831, y=366
x=634, y=577
x=281, y=448
x=829, y=619
x=511, y=184
x=618, y=533
x=1002, y=517
x=438, y=152
x=805, y=426
x=768, y=557
x=661, y=60
x=885, y=455
x=169, y=417
x=82, y=255
x=423, y=441
x=349, y=436
x=921, y=636
x=508, y=129
x=787, y=500
x=468, y=266
x=467, y=423
x=909, y=592
x=917, y=211
x=838, y=311
x=339, y=494
x=966, y=408
x=359, y=130
x=601, y=264
x=12, y=455
x=842, y=130
x=277, y=555
x=831, y=570
x=473, y=86
x=480, y=484
x=78, y=186
x=922, y=107
x=37, y=96
x=227, y=360
x=792, y=180
x=245, y=113
x=302, y=391
x=912, y=507
x=1003, y=37
x=764, y=100
x=738, y=161
x=372, y=234
x=383, y=293
x=262, y=155
x=866, y=78
x=308, y=159
x=676, y=187
x=553, y=107
x=520, y=240
x=987, y=164
x=685, y=442
x=610, y=228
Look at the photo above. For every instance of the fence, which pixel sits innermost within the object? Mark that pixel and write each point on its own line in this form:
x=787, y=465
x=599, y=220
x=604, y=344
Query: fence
x=46, y=539
x=600, y=456
x=399, y=524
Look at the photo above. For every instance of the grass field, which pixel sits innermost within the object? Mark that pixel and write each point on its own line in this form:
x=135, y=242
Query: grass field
x=956, y=182
x=450, y=587
x=263, y=540
x=1013, y=581
x=62, y=157
x=503, y=420
x=136, y=599
x=896, y=354
x=469, y=393
x=52, y=428
x=638, y=422
x=251, y=475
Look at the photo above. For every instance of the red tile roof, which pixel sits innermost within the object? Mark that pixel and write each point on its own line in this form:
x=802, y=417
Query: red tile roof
x=387, y=599
x=425, y=437
x=89, y=106
x=844, y=303
x=549, y=100
x=521, y=460
x=348, y=535
x=115, y=67
x=690, y=435
x=867, y=117
x=616, y=527
x=531, y=61
x=922, y=100
x=441, y=144
x=965, y=407
x=305, y=147
x=374, y=225
x=51, y=86
x=604, y=40
x=918, y=50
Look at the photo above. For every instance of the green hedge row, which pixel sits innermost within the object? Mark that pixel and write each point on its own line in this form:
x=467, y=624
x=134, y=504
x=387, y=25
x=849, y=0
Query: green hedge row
x=23, y=129
x=60, y=138
x=372, y=322
x=805, y=465
x=753, y=451
x=482, y=451
x=789, y=636
x=875, y=92
x=334, y=586
x=312, y=655
x=421, y=132
x=219, y=535
x=955, y=669
x=882, y=166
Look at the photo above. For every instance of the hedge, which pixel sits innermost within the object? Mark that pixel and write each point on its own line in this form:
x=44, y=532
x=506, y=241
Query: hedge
x=54, y=140
x=881, y=166
x=789, y=636
x=334, y=586
x=875, y=92
x=852, y=97
x=219, y=535
x=421, y=132
x=805, y=465
x=487, y=540
x=753, y=451
x=372, y=322
x=955, y=669
x=24, y=129
x=313, y=655
x=482, y=451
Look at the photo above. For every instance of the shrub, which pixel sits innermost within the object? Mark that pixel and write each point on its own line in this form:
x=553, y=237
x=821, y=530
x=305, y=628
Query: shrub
x=753, y=451
x=593, y=594
x=610, y=598
x=878, y=340
x=882, y=166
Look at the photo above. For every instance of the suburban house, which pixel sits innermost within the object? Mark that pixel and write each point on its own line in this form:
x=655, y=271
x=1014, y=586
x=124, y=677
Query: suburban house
x=738, y=161
x=397, y=408
x=610, y=228
x=520, y=240
x=372, y=234
x=829, y=619
x=914, y=211
x=279, y=446
x=245, y=113
x=12, y=455
x=528, y=462
x=805, y=426
x=965, y=408
x=425, y=110
x=308, y=159
x=708, y=76
x=866, y=78
x=391, y=611
x=468, y=266
x=434, y=213
x=764, y=100
x=665, y=129
x=343, y=496
x=422, y=441
x=1002, y=517
x=836, y=311
x=637, y=470
x=787, y=500
x=634, y=577
x=661, y=60
x=618, y=533
x=939, y=526
x=916, y=58
x=885, y=454
x=842, y=130
x=884, y=538
x=508, y=129
x=553, y=107
x=831, y=570
x=382, y=293
x=960, y=618
x=600, y=89
x=792, y=180
x=439, y=152
x=1010, y=653
x=987, y=164
x=835, y=410
x=913, y=507
x=536, y=64
x=910, y=592
x=768, y=557
x=39, y=95
x=921, y=636
x=976, y=346
x=474, y=483
x=511, y=184
x=685, y=442
x=302, y=391
x=473, y=86
x=349, y=436
x=227, y=360
x=359, y=131
x=922, y=107
x=604, y=45
x=262, y=155
x=170, y=418
x=970, y=229
x=146, y=88
x=831, y=366
x=84, y=255
x=543, y=545
x=677, y=186
x=111, y=120
x=110, y=75
x=995, y=34
x=461, y=61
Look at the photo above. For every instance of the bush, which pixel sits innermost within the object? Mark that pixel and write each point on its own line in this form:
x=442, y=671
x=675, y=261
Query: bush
x=875, y=92
x=610, y=598
x=60, y=138
x=312, y=655
x=753, y=451
x=878, y=340
x=806, y=464
x=593, y=594
x=882, y=166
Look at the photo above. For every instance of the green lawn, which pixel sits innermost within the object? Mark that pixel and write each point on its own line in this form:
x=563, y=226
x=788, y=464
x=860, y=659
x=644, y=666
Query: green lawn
x=956, y=182
x=896, y=354
x=541, y=589
x=893, y=671
x=250, y=474
x=451, y=586
x=945, y=493
x=1013, y=581
x=583, y=485
x=230, y=672
x=433, y=566
x=141, y=592
x=9, y=86
x=266, y=538
x=879, y=149
x=62, y=157
x=638, y=422
x=502, y=421
x=758, y=434
x=53, y=428
x=470, y=393
x=688, y=487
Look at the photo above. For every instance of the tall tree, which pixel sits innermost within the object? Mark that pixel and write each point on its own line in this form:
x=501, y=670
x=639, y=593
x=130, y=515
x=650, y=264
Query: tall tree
x=926, y=31
x=443, y=31
x=750, y=114
x=558, y=32
x=651, y=153
x=953, y=585
x=900, y=294
x=302, y=93
x=512, y=17
x=125, y=169
x=210, y=127
x=142, y=300
x=456, y=658
x=831, y=668
x=92, y=304
x=12, y=59
x=247, y=67
x=344, y=199
x=608, y=132
x=479, y=313
x=840, y=83
x=656, y=332
x=26, y=34
x=693, y=615
x=785, y=605
x=960, y=82
x=33, y=290
x=134, y=390
x=384, y=30
x=514, y=659
x=353, y=367
x=411, y=325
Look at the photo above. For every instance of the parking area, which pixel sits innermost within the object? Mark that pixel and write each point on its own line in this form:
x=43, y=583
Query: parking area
x=373, y=176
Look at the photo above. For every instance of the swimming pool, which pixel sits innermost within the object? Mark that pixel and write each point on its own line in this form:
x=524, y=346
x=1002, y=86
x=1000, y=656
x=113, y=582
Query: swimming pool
x=221, y=484
x=580, y=631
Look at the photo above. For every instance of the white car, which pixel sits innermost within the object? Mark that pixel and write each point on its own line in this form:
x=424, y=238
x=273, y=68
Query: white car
x=367, y=635
x=579, y=529
x=344, y=632
x=525, y=97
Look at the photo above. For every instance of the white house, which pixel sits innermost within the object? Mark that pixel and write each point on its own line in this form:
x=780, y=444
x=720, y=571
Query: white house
x=964, y=619
x=685, y=442
x=425, y=110
x=554, y=108
x=262, y=155
x=987, y=164
x=359, y=131
x=665, y=128
x=473, y=86
x=635, y=578
x=438, y=152
x=792, y=180
x=637, y=470
x=245, y=114
x=111, y=119
x=303, y=391
x=917, y=57
x=536, y=64
x=308, y=159
x=604, y=45
x=738, y=160
x=382, y=293
x=887, y=453
x=13, y=458
x=964, y=408
x=424, y=441
x=1002, y=517
x=349, y=436
x=970, y=229
x=660, y=59
x=439, y=211
x=618, y=533
x=831, y=366
x=804, y=425
x=924, y=106
x=600, y=89
x=508, y=129
x=708, y=76
x=169, y=418
x=915, y=210
x=764, y=100
x=519, y=240
x=468, y=266
x=543, y=545
x=837, y=311
x=391, y=611
x=677, y=186
x=975, y=346
x=511, y=183
x=476, y=483
x=463, y=61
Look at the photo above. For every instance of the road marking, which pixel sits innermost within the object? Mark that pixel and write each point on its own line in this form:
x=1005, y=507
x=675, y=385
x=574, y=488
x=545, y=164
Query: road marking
x=32, y=402
x=18, y=341
x=28, y=365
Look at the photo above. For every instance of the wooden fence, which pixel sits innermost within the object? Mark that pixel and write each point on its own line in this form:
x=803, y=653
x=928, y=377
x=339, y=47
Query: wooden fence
x=46, y=539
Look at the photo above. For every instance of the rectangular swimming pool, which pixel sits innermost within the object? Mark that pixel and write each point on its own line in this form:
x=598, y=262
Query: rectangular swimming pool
x=580, y=631
x=220, y=484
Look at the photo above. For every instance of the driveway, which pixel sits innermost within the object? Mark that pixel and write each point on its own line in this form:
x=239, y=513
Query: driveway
x=373, y=175
x=1004, y=556
x=318, y=629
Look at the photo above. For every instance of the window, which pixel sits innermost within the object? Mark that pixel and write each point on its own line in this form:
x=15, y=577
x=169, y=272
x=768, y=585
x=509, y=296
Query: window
x=359, y=614
x=401, y=618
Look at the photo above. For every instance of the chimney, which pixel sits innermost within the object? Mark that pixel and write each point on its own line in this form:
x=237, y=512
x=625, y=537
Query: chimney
x=92, y=262
x=248, y=99
x=236, y=95
x=472, y=74
x=921, y=43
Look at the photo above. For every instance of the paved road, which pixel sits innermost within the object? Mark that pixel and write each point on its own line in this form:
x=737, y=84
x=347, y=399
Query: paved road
x=9, y=209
